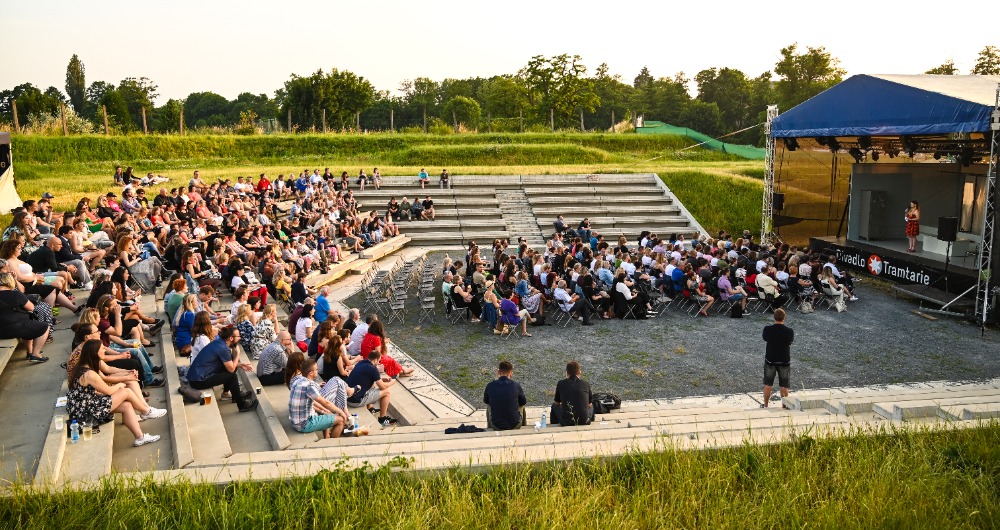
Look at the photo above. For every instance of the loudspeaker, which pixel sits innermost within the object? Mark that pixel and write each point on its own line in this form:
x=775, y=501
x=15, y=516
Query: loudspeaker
x=947, y=228
x=778, y=201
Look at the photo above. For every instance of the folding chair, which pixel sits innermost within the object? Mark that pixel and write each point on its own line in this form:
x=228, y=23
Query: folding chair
x=562, y=317
x=427, y=305
x=396, y=309
x=508, y=330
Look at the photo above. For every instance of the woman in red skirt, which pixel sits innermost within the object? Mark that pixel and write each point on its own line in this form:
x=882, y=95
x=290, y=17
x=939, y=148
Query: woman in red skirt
x=913, y=225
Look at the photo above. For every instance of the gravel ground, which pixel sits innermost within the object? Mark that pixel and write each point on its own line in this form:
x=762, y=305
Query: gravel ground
x=877, y=341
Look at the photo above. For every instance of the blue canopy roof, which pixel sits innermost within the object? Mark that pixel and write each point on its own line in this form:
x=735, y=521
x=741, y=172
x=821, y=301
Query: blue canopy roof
x=894, y=105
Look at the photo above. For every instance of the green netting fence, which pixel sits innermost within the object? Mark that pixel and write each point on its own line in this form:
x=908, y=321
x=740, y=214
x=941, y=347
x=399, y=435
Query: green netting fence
x=658, y=127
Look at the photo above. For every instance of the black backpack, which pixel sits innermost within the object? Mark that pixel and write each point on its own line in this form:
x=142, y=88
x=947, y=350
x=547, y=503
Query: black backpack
x=605, y=403
x=736, y=311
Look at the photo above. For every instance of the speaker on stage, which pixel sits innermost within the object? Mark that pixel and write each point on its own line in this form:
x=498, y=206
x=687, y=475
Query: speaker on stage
x=947, y=229
x=778, y=201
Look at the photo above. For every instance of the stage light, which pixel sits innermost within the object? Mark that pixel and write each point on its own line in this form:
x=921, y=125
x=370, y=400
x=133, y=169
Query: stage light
x=833, y=144
x=909, y=145
x=892, y=151
x=821, y=140
x=874, y=155
x=865, y=142
x=857, y=154
x=791, y=144
x=937, y=155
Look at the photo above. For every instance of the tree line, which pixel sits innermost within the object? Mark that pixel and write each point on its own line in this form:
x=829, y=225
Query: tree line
x=548, y=93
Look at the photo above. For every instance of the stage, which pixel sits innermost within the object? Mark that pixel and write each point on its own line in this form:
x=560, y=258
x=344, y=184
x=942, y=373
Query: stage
x=888, y=259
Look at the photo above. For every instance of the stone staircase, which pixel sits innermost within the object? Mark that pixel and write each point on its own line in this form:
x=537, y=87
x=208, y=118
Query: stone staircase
x=518, y=215
x=474, y=209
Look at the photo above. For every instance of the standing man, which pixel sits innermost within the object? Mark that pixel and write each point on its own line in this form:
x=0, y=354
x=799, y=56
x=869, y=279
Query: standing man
x=505, y=401
x=573, y=402
x=322, y=305
x=777, y=355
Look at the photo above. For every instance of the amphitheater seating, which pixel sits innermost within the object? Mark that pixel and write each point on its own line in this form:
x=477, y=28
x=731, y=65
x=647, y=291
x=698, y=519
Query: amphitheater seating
x=483, y=208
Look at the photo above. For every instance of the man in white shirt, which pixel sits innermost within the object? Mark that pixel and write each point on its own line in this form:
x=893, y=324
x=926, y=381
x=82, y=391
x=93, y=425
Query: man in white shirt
x=354, y=348
x=573, y=303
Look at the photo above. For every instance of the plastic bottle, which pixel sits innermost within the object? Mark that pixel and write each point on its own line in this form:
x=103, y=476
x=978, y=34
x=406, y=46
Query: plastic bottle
x=74, y=432
x=544, y=421
x=355, y=415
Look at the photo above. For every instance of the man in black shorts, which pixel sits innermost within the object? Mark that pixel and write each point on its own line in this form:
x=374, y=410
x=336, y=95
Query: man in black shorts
x=777, y=356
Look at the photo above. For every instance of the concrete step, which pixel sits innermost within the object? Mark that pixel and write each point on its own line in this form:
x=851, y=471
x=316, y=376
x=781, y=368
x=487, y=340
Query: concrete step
x=929, y=408
x=206, y=430
x=862, y=400
x=89, y=460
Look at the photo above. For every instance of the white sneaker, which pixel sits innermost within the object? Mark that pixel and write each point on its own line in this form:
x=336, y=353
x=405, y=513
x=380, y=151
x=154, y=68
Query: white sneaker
x=153, y=413
x=89, y=286
x=146, y=439
x=853, y=299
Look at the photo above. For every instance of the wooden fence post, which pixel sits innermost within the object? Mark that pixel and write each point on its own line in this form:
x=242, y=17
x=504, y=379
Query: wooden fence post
x=489, y=121
x=17, y=126
x=581, y=121
x=357, y=120
x=552, y=119
x=425, y=120
x=454, y=119
x=62, y=116
x=145, y=128
x=182, y=121
x=392, y=123
x=289, y=120
x=324, y=121
x=104, y=110
x=520, y=119
x=612, y=120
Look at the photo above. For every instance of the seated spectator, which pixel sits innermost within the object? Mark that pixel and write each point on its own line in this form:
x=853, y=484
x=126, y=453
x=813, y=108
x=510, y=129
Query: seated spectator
x=203, y=333
x=511, y=316
x=637, y=300
x=767, y=287
x=559, y=225
x=371, y=388
x=445, y=180
x=271, y=367
x=305, y=398
x=254, y=287
x=15, y=322
x=698, y=293
x=423, y=177
x=265, y=332
x=216, y=365
x=831, y=287
x=727, y=292
x=573, y=402
x=405, y=210
x=531, y=298
x=304, y=327
x=571, y=304
x=462, y=298
x=375, y=339
x=91, y=399
x=427, y=211
x=322, y=307
x=246, y=323
x=505, y=401
x=183, y=324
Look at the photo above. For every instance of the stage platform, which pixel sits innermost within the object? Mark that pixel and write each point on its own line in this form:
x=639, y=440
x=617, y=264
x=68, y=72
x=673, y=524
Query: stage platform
x=888, y=259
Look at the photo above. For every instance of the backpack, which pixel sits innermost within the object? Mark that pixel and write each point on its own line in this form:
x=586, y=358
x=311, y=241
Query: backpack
x=736, y=311
x=190, y=394
x=806, y=307
x=605, y=403
x=841, y=305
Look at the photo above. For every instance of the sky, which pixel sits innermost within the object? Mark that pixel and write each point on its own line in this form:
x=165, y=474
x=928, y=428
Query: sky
x=250, y=46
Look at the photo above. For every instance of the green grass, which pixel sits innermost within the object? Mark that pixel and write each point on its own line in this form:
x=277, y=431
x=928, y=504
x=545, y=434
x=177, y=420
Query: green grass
x=930, y=479
x=716, y=201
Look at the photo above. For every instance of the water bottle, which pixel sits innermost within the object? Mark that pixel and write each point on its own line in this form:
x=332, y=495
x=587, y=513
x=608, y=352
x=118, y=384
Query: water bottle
x=355, y=415
x=74, y=432
x=544, y=421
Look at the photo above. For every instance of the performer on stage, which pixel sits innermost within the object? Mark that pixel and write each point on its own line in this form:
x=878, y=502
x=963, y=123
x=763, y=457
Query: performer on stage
x=913, y=225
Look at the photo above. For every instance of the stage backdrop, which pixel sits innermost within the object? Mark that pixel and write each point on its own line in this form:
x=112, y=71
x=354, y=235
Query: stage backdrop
x=941, y=190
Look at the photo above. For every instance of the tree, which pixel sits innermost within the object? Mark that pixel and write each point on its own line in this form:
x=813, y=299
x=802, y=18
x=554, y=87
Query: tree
x=423, y=94
x=118, y=112
x=503, y=96
x=705, y=118
x=948, y=68
x=988, y=62
x=664, y=99
x=167, y=118
x=462, y=109
x=644, y=79
x=341, y=94
x=805, y=75
x=76, y=84
x=557, y=84
x=207, y=109
x=614, y=95
x=729, y=89
x=263, y=106
x=30, y=101
x=138, y=94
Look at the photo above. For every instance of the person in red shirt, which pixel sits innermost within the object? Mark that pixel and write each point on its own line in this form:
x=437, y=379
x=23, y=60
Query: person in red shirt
x=263, y=185
x=375, y=339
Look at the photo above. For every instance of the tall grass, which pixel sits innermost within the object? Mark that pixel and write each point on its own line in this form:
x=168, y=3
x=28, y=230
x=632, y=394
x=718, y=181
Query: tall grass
x=717, y=202
x=931, y=479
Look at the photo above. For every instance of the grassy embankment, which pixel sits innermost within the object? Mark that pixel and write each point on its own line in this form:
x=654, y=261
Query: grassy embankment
x=930, y=479
x=703, y=180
